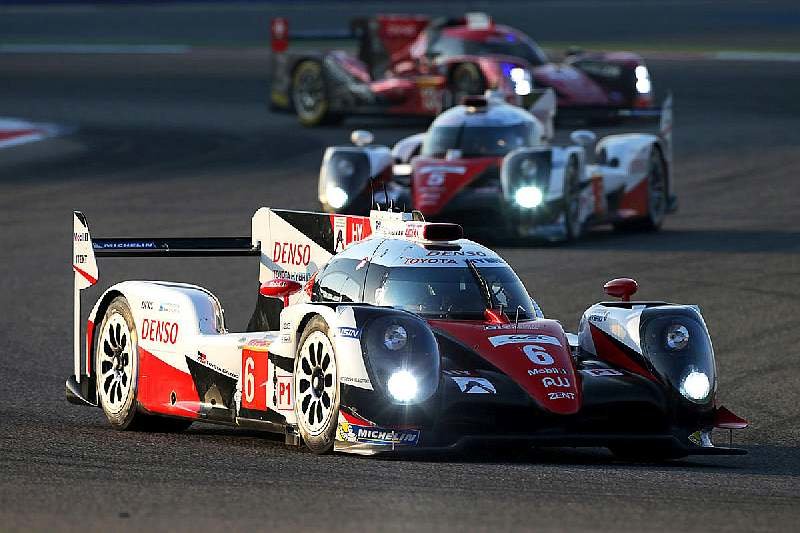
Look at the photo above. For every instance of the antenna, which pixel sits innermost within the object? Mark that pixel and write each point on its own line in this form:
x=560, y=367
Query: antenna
x=516, y=317
x=386, y=197
x=372, y=195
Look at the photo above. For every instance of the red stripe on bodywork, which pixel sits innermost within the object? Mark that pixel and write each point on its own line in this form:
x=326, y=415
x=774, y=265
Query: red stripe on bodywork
x=12, y=134
x=158, y=380
x=554, y=385
x=635, y=202
x=608, y=350
x=91, y=279
x=89, y=342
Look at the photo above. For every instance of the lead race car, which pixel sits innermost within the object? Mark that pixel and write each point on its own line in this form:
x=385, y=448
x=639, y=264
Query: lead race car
x=492, y=166
x=416, y=65
x=388, y=333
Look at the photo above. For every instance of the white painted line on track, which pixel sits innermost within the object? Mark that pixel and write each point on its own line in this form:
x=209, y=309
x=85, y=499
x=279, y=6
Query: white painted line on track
x=94, y=48
x=756, y=56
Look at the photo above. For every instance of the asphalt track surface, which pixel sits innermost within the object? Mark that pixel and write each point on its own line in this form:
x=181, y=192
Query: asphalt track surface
x=184, y=145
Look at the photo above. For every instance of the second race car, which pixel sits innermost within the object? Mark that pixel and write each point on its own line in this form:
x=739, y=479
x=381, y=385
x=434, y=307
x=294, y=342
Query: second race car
x=490, y=164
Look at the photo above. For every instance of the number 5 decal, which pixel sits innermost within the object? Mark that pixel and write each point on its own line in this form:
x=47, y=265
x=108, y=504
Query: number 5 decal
x=254, y=380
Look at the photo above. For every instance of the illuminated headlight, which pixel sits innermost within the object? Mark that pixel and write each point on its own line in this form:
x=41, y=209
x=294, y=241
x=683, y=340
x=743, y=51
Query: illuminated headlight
x=677, y=337
x=643, y=85
x=521, y=79
x=336, y=197
x=344, y=168
x=402, y=169
x=695, y=386
x=395, y=337
x=528, y=197
x=402, y=386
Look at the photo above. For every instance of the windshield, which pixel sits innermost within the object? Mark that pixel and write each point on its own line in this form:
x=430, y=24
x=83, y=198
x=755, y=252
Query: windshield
x=449, y=292
x=477, y=141
x=506, y=44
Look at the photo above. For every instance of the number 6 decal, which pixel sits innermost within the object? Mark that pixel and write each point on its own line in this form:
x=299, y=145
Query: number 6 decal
x=254, y=380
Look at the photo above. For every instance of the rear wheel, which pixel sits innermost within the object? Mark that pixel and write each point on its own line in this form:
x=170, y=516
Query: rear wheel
x=117, y=373
x=316, y=381
x=466, y=80
x=310, y=94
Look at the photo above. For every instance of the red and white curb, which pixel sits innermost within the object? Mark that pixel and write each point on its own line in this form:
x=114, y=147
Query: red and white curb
x=14, y=132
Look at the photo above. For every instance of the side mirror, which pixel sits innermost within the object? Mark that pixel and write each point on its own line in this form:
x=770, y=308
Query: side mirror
x=621, y=288
x=583, y=137
x=279, y=288
x=361, y=137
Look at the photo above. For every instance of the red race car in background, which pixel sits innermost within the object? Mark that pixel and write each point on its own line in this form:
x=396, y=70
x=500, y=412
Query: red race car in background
x=414, y=65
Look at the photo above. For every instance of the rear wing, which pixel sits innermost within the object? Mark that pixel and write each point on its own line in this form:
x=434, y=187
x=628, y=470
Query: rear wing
x=289, y=244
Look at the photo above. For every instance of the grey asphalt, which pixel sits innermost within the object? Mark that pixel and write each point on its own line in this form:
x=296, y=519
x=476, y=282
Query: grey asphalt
x=184, y=145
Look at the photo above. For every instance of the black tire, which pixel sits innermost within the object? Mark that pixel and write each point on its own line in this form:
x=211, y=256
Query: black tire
x=310, y=95
x=657, y=197
x=573, y=228
x=316, y=381
x=466, y=79
x=640, y=452
x=116, y=365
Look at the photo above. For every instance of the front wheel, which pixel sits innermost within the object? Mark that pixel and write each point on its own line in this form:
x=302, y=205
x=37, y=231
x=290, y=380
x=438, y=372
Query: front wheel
x=117, y=373
x=316, y=381
x=310, y=94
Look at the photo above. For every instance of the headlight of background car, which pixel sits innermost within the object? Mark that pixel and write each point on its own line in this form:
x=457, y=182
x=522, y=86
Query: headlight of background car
x=402, y=356
x=521, y=81
x=678, y=345
x=525, y=175
x=643, y=85
x=346, y=175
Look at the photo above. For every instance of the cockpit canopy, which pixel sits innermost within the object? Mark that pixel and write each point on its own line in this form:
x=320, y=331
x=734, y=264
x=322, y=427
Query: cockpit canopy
x=457, y=282
x=494, y=129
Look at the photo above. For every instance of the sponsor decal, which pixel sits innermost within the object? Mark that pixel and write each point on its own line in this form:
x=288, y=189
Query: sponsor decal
x=457, y=372
x=538, y=355
x=600, y=372
x=350, y=333
x=501, y=340
x=452, y=169
x=288, y=253
x=80, y=237
x=376, y=435
x=598, y=318
x=556, y=382
x=124, y=244
x=286, y=326
x=548, y=370
x=339, y=230
x=284, y=401
x=474, y=385
x=286, y=337
x=203, y=360
x=147, y=305
x=429, y=261
x=354, y=381
x=169, y=307
x=161, y=331
x=497, y=327
x=561, y=395
x=457, y=253
x=435, y=179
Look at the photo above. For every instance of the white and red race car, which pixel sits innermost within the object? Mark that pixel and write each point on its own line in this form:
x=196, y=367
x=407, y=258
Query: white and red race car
x=388, y=333
x=487, y=158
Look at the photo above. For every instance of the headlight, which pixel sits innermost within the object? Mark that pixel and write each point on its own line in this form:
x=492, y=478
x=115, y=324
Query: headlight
x=528, y=197
x=521, y=79
x=402, y=386
x=344, y=168
x=336, y=197
x=395, y=337
x=695, y=386
x=677, y=337
x=643, y=84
